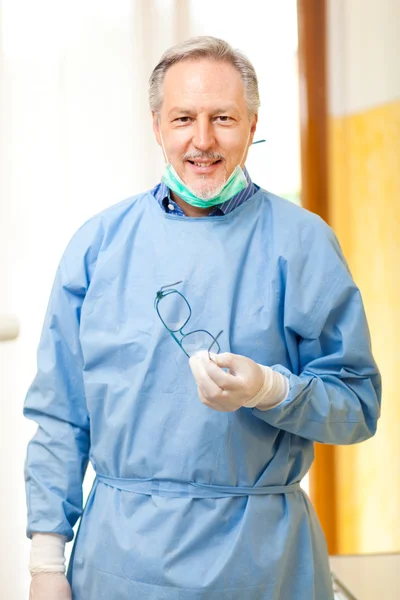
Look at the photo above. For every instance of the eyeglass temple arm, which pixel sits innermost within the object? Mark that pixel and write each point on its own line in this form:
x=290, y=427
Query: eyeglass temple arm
x=164, y=287
x=212, y=344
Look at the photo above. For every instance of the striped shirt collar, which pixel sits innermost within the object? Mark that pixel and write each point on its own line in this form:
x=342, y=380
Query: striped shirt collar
x=163, y=196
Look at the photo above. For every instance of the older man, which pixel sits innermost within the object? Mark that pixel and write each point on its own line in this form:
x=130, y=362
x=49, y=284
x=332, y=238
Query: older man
x=198, y=461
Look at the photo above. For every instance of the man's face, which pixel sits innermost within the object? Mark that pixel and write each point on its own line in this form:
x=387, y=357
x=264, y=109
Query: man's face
x=204, y=123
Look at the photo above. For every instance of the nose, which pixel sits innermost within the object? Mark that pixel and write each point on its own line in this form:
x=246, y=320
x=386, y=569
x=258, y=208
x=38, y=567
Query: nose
x=203, y=136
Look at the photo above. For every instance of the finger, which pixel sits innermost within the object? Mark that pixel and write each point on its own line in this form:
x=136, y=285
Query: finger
x=226, y=381
x=210, y=389
x=215, y=405
x=226, y=360
x=206, y=385
x=197, y=367
x=198, y=364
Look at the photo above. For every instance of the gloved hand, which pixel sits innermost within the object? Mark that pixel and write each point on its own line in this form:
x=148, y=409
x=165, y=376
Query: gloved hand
x=245, y=384
x=50, y=586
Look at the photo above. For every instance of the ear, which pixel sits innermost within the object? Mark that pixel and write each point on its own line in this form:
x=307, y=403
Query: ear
x=253, y=128
x=156, y=127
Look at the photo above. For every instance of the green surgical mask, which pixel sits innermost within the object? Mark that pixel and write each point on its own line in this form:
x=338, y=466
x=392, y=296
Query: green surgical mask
x=236, y=183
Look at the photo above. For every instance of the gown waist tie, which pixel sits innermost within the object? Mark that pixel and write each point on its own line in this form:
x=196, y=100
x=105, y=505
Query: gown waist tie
x=179, y=489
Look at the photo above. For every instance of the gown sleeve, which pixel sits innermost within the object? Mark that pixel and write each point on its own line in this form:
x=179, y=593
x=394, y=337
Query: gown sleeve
x=57, y=455
x=334, y=383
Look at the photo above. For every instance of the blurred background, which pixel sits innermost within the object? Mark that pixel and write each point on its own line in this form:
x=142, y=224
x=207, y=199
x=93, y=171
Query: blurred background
x=76, y=137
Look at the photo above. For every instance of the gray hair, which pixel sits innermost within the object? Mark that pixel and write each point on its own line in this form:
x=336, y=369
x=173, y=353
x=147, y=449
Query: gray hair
x=205, y=47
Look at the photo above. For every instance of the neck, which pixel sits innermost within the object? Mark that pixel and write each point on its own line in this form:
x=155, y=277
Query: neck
x=189, y=210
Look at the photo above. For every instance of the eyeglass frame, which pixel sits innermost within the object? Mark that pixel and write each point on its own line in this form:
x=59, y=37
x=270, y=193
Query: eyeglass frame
x=159, y=296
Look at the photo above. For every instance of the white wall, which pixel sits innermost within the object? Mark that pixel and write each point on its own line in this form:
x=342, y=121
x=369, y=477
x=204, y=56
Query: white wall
x=363, y=38
x=74, y=139
x=266, y=30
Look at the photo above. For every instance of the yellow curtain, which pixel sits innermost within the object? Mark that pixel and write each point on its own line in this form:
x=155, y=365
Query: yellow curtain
x=364, y=209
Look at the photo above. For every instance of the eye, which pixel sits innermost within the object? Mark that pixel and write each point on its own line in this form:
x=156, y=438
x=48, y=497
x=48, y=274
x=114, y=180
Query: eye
x=223, y=118
x=182, y=120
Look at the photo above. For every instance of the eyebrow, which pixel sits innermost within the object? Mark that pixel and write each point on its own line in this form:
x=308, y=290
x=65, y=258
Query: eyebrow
x=188, y=111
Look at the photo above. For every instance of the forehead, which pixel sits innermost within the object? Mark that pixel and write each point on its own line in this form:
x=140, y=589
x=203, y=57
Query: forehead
x=203, y=82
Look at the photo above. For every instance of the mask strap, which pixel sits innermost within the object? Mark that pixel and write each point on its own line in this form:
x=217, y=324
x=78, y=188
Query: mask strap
x=162, y=141
x=245, y=150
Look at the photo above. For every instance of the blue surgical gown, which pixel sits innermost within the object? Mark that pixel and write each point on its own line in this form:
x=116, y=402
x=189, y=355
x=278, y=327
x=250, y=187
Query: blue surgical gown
x=191, y=503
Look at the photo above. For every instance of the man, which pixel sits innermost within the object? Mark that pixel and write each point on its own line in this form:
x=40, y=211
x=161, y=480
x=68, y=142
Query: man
x=198, y=461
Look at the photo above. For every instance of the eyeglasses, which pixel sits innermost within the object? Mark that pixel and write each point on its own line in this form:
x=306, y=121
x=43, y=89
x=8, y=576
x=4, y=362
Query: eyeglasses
x=175, y=312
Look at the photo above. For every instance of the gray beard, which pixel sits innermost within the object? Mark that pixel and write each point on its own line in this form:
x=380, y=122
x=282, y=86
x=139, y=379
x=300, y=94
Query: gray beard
x=207, y=192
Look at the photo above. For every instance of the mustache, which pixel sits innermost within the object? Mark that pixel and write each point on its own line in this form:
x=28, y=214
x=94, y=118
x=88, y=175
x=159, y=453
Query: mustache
x=198, y=154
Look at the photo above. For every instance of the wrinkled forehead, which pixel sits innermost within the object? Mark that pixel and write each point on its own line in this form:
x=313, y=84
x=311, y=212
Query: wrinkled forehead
x=203, y=85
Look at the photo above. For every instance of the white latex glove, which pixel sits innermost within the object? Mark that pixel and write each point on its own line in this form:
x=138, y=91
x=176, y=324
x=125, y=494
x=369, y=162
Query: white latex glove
x=50, y=586
x=246, y=383
x=47, y=553
x=47, y=567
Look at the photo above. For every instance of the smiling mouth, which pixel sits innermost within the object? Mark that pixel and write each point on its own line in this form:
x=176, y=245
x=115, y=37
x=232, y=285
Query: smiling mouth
x=204, y=165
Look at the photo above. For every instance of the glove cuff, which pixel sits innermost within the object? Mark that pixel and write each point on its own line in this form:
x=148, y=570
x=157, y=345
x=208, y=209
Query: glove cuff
x=274, y=390
x=47, y=553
